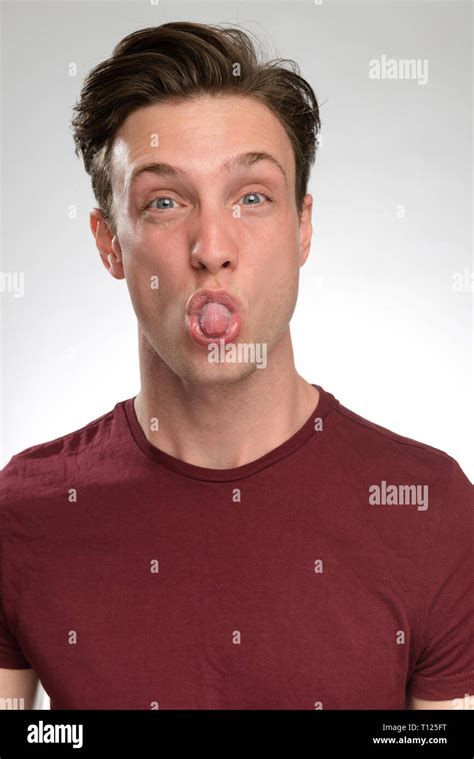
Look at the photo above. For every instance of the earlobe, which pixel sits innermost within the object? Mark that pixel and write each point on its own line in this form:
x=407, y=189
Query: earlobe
x=107, y=243
x=306, y=229
x=114, y=258
x=116, y=248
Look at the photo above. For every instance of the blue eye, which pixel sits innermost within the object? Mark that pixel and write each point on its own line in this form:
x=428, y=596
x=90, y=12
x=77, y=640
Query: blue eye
x=166, y=201
x=253, y=194
x=159, y=200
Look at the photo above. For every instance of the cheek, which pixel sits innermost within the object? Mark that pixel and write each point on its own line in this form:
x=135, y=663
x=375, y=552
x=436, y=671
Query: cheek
x=281, y=259
x=143, y=277
x=274, y=282
x=157, y=282
x=139, y=268
x=141, y=260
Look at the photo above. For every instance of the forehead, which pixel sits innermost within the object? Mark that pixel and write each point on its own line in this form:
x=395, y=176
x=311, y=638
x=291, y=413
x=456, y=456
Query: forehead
x=198, y=136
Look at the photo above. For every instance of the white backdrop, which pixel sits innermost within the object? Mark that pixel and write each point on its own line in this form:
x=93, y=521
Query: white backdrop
x=388, y=284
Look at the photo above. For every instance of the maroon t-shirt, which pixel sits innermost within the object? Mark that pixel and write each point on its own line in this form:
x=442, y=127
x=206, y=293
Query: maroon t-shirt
x=335, y=571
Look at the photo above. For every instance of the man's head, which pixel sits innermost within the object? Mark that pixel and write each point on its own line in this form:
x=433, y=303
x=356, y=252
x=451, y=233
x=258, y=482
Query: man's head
x=220, y=127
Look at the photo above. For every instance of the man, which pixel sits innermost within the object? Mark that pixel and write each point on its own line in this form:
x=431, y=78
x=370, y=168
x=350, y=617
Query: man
x=232, y=537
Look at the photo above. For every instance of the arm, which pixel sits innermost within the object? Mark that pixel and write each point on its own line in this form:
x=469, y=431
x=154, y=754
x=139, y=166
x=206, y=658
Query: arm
x=463, y=702
x=422, y=703
x=443, y=675
x=17, y=683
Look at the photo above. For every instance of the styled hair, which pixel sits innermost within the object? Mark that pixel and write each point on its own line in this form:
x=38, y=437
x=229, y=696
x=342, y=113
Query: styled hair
x=178, y=61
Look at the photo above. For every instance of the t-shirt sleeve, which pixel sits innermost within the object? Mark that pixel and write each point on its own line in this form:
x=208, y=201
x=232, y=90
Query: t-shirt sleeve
x=11, y=655
x=445, y=667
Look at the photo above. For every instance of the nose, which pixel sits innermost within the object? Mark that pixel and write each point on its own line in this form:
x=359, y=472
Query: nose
x=214, y=246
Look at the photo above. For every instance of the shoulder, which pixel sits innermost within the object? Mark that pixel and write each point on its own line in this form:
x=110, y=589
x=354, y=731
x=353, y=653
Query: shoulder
x=376, y=448
x=39, y=467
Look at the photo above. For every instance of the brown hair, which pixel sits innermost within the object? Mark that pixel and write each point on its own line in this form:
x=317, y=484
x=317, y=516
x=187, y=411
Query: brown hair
x=181, y=60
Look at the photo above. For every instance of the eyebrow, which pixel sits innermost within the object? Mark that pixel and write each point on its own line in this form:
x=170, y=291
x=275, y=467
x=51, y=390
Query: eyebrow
x=242, y=160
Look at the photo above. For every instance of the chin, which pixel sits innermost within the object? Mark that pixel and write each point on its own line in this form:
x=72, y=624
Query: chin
x=214, y=375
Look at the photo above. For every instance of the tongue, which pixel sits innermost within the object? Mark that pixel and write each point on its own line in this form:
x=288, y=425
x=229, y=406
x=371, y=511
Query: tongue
x=214, y=319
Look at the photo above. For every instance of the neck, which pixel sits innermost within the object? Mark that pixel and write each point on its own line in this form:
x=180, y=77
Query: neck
x=226, y=423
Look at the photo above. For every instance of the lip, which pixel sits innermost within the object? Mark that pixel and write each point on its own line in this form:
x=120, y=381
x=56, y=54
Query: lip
x=197, y=301
x=200, y=297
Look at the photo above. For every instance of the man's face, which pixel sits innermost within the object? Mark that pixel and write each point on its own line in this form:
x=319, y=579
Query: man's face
x=206, y=226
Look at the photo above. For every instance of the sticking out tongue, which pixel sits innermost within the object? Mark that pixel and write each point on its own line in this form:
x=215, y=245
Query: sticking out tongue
x=214, y=319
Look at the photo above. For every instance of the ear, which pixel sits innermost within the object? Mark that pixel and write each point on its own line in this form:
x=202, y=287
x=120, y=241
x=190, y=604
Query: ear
x=107, y=243
x=305, y=228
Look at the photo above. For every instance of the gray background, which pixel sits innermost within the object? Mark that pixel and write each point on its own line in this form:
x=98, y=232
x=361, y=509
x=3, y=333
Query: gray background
x=393, y=338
